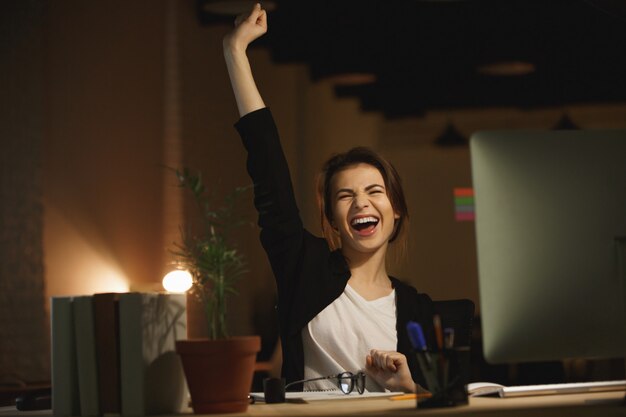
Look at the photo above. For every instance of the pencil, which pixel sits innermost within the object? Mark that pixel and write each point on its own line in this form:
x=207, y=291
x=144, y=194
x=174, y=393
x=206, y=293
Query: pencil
x=411, y=396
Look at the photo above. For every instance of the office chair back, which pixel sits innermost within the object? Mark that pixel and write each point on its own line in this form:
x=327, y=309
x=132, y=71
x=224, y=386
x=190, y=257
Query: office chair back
x=459, y=315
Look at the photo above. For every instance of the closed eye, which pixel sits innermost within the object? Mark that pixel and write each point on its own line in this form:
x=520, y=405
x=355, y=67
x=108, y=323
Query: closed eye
x=375, y=189
x=344, y=193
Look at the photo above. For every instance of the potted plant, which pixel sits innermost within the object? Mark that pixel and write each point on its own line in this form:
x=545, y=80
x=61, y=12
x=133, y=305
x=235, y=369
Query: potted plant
x=218, y=369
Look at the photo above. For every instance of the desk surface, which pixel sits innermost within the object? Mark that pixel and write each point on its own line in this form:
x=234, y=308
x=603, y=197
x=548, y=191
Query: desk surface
x=604, y=404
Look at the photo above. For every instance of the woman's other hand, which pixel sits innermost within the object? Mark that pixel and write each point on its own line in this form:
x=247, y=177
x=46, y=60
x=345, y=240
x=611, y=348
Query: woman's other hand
x=390, y=369
x=248, y=27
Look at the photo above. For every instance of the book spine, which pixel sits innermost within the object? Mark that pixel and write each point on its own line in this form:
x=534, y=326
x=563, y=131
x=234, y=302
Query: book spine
x=65, y=398
x=131, y=355
x=169, y=311
x=86, y=355
x=150, y=324
x=106, y=323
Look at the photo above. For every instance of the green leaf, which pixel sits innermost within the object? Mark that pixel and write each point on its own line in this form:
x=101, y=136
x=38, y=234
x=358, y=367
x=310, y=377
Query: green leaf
x=213, y=261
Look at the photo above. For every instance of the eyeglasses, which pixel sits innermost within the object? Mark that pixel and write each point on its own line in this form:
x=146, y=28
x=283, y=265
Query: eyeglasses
x=345, y=381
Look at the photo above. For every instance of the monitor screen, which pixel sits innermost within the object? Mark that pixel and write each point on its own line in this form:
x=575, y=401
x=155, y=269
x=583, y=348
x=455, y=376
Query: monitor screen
x=551, y=243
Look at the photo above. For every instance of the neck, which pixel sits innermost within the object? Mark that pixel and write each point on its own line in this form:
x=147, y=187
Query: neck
x=368, y=268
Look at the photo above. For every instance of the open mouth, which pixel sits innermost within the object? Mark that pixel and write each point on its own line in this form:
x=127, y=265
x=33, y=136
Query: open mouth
x=364, y=225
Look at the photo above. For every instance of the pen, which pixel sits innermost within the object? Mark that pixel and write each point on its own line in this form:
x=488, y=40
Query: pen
x=416, y=335
x=448, y=337
x=442, y=370
x=438, y=333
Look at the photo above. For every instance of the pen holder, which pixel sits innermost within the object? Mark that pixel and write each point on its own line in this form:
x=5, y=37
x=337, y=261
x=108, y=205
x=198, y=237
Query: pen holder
x=446, y=373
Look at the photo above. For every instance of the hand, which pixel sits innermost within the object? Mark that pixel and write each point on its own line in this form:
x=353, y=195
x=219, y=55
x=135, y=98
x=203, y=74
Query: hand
x=390, y=369
x=248, y=27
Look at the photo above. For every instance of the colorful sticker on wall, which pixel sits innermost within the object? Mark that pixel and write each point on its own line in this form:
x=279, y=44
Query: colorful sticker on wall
x=464, y=204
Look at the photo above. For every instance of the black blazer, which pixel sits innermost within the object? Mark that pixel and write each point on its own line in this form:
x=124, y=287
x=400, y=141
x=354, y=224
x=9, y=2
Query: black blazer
x=308, y=275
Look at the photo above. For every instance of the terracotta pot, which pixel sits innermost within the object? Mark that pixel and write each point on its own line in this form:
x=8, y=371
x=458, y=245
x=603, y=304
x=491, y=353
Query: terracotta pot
x=219, y=372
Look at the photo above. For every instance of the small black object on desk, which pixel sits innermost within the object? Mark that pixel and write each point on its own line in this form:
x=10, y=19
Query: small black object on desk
x=40, y=399
x=274, y=390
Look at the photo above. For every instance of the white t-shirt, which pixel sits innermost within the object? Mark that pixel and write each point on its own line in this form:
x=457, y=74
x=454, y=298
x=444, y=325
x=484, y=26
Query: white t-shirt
x=340, y=337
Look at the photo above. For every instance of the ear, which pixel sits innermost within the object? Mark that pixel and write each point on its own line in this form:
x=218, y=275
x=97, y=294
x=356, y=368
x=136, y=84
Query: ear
x=396, y=216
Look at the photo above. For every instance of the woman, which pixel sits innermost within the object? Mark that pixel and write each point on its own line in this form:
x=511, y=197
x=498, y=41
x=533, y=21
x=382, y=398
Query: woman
x=338, y=309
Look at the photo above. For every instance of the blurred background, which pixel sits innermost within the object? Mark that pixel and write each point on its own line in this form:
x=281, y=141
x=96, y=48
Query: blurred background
x=98, y=99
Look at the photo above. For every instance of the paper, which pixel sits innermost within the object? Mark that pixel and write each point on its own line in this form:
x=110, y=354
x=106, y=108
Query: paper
x=327, y=395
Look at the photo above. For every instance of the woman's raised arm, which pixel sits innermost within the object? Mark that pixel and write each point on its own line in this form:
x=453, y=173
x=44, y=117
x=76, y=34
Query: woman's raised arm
x=248, y=27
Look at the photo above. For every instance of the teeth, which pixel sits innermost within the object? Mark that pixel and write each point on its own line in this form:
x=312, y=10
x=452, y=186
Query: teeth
x=365, y=220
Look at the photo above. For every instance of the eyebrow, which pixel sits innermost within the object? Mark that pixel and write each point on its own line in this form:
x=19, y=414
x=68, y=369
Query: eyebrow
x=349, y=190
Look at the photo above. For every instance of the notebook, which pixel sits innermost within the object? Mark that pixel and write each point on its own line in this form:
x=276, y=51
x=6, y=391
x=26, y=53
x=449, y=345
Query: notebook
x=477, y=389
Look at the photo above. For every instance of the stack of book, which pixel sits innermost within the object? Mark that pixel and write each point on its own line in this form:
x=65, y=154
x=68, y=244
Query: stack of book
x=114, y=354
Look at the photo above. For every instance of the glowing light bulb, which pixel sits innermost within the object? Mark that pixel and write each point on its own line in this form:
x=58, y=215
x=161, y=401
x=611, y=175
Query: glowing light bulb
x=177, y=281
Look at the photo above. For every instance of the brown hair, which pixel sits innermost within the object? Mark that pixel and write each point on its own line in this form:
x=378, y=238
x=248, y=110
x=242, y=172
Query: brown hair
x=393, y=186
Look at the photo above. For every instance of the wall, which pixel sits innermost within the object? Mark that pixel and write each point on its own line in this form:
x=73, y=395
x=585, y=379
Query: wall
x=103, y=155
x=23, y=331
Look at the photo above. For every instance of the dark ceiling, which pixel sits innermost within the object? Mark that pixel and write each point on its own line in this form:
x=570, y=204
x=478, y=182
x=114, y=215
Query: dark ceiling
x=428, y=54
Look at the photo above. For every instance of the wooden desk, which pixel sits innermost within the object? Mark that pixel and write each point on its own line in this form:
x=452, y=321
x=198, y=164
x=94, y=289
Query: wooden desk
x=607, y=404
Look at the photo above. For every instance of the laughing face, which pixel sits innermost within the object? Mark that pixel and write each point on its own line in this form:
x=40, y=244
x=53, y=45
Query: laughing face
x=362, y=212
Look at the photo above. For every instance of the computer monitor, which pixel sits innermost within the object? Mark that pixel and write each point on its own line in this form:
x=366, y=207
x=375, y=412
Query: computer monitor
x=551, y=242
